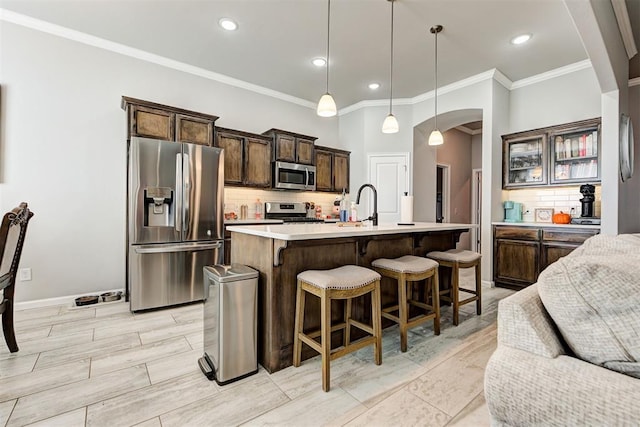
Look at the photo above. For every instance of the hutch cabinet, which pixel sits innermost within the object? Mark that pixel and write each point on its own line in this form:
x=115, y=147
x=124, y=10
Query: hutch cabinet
x=557, y=155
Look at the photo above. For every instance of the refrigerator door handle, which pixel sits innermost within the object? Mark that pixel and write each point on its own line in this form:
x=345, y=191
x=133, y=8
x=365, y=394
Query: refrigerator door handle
x=186, y=182
x=158, y=249
x=179, y=193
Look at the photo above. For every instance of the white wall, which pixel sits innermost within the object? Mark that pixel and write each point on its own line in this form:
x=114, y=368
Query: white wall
x=456, y=153
x=64, y=148
x=564, y=99
x=476, y=151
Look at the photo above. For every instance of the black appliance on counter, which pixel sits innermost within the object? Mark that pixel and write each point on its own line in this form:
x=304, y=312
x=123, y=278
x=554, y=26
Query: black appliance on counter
x=289, y=212
x=588, y=198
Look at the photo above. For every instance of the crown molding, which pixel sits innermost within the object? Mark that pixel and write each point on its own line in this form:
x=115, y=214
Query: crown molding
x=495, y=74
x=634, y=82
x=567, y=69
x=624, y=25
x=468, y=131
x=77, y=36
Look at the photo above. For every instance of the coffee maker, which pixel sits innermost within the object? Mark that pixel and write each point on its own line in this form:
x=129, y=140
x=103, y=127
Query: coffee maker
x=588, y=213
x=512, y=211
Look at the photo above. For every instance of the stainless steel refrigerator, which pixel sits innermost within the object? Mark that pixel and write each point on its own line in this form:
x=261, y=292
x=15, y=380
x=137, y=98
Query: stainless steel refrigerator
x=174, y=220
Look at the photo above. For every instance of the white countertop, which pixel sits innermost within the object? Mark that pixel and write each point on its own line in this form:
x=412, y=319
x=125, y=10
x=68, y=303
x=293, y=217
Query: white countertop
x=545, y=225
x=228, y=222
x=332, y=230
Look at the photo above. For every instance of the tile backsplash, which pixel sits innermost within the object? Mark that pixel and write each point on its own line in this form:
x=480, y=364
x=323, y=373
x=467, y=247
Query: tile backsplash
x=559, y=198
x=234, y=197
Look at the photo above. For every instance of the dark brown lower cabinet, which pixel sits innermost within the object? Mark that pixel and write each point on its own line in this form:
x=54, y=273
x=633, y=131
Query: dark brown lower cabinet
x=521, y=253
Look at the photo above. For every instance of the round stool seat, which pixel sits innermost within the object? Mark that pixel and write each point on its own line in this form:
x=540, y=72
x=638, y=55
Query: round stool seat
x=455, y=255
x=345, y=277
x=406, y=264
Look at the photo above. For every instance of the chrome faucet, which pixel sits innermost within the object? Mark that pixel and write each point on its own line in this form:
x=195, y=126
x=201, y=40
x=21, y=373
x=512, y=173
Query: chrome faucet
x=374, y=216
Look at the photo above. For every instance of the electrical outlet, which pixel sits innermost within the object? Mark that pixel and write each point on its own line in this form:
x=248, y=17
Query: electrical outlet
x=25, y=274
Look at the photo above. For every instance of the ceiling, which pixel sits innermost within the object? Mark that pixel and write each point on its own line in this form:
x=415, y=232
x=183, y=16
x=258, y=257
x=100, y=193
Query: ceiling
x=277, y=39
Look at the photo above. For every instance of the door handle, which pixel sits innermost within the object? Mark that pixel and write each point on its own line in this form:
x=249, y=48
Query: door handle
x=159, y=249
x=179, y=193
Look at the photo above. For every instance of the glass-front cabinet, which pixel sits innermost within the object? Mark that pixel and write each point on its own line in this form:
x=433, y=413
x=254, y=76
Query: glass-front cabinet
x=557, y=155
x=525, y=161
x=575, y=155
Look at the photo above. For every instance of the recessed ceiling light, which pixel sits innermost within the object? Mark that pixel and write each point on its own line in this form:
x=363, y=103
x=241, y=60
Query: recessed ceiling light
x=374, y=86
x=319, y=62
x=523, y=38
x=228, y=24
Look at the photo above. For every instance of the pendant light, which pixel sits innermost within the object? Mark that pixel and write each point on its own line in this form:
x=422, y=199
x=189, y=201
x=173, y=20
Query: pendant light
x=390, y=124
x=326, y=105
x=436, y=137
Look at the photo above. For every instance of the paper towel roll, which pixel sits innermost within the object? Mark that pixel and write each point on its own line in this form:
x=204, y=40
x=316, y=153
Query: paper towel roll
x=406, y=209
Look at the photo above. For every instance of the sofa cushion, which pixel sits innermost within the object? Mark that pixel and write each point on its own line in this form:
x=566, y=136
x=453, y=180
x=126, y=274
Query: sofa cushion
x=593, y=296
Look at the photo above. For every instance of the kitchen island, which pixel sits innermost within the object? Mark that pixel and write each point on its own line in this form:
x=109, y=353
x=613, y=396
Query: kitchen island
x=280, y=252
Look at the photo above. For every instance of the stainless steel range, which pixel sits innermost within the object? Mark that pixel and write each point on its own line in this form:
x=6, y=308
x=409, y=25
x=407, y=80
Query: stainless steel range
x=288, y=212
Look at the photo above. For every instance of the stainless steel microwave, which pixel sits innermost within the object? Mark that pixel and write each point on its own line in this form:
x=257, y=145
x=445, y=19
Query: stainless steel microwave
x=293, y=176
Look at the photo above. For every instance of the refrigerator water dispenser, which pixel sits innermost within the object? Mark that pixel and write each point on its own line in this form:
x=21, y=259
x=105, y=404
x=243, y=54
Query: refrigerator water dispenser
x=158, y=203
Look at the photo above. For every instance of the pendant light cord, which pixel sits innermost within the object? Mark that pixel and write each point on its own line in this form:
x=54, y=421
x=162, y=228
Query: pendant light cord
x=436, y=78
x=328, y=32
x=391, y=62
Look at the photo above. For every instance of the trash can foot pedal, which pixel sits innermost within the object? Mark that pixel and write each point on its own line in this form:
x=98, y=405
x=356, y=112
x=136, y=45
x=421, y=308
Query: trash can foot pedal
x=206, y=369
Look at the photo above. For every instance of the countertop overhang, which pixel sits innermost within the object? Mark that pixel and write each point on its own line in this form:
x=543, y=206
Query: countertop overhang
x=547, y=225
x=333, y=230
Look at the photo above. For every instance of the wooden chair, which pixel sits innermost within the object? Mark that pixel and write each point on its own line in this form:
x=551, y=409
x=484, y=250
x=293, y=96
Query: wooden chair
x=12, y=232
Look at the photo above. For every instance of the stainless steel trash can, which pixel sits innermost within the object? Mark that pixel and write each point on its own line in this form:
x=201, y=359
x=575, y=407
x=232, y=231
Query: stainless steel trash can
x=230, y=311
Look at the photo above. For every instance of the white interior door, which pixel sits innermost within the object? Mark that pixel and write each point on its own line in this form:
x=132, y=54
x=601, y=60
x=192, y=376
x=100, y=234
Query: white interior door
x=389, y=173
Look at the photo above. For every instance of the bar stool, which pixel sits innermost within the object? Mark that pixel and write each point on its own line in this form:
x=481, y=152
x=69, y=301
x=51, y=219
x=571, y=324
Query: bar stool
x=457, y=259
x=342, y=283
x=405, y=270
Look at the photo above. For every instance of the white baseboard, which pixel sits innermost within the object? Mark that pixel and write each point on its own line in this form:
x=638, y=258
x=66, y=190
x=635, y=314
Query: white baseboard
x=48, y=302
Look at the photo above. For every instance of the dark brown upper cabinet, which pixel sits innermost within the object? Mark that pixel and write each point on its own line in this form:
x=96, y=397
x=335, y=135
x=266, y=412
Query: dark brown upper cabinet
x=292, y=147
x=332, y=169
x=151, y=120
x=556, y=155
x=247, y=158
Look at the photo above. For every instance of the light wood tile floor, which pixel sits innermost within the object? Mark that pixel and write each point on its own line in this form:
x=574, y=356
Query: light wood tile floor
x=104, y=366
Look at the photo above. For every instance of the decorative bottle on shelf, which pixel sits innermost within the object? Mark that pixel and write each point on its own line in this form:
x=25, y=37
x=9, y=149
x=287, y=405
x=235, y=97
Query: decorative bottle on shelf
x=258, y=209
x=344, y=215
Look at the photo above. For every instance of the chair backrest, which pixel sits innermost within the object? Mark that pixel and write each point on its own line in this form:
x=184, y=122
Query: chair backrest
x=12, y=233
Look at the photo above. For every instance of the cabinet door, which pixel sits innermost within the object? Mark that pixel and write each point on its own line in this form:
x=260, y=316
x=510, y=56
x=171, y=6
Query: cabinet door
x=341, y=172
x=575, y=154
x=551, y=252
x=233, y=146
x=516, y=263
x=258, y=162
x=524, y=161
x=151, y=123
x=557, y=243
x=304, y=151
x=285, y=148
x=324, y=174
x=194, y=130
